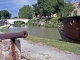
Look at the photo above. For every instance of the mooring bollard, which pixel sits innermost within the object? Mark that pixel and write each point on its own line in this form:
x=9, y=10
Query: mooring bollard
x=10, y=47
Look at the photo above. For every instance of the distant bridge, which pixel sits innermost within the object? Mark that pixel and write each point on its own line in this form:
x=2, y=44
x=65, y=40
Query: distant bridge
x=11, y=21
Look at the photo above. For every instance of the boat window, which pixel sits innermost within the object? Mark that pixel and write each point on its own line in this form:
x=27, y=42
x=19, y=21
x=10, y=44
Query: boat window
x=71, y=22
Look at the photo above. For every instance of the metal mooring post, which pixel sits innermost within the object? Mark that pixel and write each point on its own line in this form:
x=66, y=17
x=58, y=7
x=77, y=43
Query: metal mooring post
x=10, y=47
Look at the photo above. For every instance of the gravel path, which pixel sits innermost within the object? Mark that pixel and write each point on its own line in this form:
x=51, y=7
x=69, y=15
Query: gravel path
x=38, y=51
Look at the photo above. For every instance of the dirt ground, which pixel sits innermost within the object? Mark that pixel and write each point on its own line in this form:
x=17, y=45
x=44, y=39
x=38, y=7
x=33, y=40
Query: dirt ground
x=38, y=51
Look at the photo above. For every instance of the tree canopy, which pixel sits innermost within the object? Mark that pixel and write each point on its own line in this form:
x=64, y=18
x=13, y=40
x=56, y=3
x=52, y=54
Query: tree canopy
x=67, y=8
x=5, y=14
x=25, y=12
x=0, y=14
x=48, y=7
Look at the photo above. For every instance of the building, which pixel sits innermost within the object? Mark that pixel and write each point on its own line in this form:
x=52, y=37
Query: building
x=77, y=7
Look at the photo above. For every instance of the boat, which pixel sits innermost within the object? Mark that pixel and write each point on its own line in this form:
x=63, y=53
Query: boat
x=70, y=32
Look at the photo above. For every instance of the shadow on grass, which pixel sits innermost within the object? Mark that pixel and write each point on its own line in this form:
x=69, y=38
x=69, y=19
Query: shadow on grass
x=59, y=39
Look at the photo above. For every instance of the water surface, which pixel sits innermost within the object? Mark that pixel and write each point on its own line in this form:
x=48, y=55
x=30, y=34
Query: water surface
x=43, y=32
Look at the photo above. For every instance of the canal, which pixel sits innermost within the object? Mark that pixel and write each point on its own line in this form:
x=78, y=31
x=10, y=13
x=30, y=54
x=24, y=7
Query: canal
x=43, y=32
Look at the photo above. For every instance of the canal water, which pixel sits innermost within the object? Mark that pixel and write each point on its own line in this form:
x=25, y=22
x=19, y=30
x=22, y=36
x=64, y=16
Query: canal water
x=43, y=32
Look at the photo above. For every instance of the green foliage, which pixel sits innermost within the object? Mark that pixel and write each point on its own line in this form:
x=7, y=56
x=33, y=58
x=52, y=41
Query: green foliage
x=4, y=29
x=60, y=19
x=75, y=13
x=46, y=7
x=25, y=12
x=0, y=14
x=55, y=19
x=54, y=22
x=5, y=14
x=30, y=22
x=66, y=10
x=48, y=25
x=51, y=23
x=18, y=23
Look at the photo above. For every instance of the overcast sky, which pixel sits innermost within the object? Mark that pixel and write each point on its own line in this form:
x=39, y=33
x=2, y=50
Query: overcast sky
x=13, y=6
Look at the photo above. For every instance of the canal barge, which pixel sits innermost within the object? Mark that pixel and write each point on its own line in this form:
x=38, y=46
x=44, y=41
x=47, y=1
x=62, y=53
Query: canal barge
x=71, y=29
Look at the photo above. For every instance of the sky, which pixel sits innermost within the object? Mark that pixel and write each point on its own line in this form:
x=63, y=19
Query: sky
x=13, y=6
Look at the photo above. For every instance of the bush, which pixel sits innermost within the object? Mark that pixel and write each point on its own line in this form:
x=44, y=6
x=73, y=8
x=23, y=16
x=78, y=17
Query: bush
x=30, y=22
x=48, y=25
x=75, y=13
x=18, y=23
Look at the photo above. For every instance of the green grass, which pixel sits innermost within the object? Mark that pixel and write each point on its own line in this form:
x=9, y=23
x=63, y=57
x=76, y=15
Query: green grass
x=66, y=46
x=4, y=29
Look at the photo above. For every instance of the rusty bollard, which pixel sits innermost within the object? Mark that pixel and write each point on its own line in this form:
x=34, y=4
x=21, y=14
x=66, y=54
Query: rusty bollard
x=10, y=47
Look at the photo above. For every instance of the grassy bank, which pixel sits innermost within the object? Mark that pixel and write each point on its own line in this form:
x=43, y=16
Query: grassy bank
x=4, y=29
x=57, y=44
x=53, y=43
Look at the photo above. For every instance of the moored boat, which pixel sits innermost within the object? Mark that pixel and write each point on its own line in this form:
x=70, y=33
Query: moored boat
x=71, y=29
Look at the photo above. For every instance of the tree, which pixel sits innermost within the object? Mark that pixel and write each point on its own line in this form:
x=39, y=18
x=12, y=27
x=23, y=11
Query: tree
x=75, y=13
x=25, y=12
x=46, y=7
x=67, y=9
x=5, y=14
x=0, y=14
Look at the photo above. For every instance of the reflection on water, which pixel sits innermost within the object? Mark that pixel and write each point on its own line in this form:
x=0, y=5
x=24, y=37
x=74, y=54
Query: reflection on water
x=51, y=33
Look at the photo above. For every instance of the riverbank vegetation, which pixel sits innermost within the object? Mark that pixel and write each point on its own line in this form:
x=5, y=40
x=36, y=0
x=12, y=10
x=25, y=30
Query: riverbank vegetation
x=66, y=46
x=4, y=29
x=50, y=23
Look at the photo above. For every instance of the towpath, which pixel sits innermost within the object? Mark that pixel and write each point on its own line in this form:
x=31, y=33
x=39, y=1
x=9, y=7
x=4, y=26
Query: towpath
x=38, y=51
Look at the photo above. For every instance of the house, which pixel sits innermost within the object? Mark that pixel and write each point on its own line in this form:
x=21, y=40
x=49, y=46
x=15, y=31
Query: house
x=54, y=15
x=77, y=7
